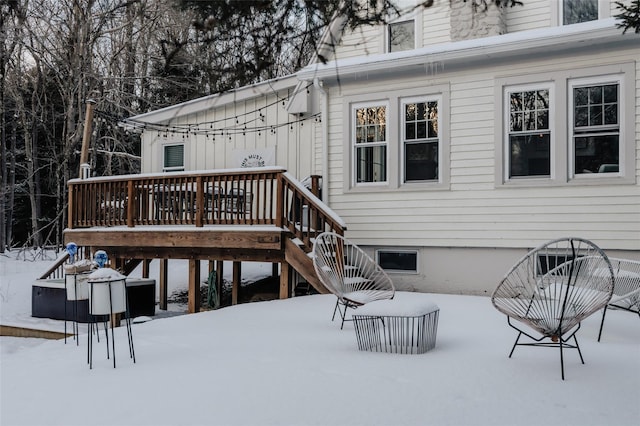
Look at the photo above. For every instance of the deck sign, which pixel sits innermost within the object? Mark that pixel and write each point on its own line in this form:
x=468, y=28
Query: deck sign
x=255, y=157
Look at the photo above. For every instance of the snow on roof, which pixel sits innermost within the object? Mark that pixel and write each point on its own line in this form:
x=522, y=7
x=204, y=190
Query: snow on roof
x=545, y=40
x=216, y=100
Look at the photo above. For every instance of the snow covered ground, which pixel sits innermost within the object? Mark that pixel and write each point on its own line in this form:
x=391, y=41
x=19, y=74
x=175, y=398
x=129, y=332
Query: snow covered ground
x=284, y=362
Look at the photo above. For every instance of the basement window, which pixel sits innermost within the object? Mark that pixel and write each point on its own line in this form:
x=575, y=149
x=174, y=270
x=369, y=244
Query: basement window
x=398, y=260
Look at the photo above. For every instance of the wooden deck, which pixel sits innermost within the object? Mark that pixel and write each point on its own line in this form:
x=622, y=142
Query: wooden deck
x=255, y=215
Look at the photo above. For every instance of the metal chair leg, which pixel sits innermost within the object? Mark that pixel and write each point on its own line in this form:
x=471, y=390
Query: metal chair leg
x=604, y=312
x=561, y=360
x=515, y=344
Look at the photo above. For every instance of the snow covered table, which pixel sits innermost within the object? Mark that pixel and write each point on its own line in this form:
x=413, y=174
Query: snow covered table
x=408, y=323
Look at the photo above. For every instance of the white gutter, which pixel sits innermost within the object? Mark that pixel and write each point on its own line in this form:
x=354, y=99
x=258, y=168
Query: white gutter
x=542, y=41
x=325, y=139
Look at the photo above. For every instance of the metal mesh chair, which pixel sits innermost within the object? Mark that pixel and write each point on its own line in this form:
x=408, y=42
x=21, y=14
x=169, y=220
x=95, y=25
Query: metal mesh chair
x=552, y=289
x=349, y=273
x=626, y=291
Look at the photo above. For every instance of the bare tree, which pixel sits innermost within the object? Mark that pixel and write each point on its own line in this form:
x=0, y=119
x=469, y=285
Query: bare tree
x=11, y=20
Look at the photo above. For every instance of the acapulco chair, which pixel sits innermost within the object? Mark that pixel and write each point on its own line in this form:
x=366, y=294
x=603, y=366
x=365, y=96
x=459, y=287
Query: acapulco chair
x=552, y=289
x=626, y=291
x=349, y=273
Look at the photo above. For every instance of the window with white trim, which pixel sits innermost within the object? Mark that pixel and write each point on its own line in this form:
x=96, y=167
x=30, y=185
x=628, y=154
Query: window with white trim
x=401, y=36
x=403, y=28
x=591, y=126
x=595, y=125
x=173, y=158
x=420, y=141
x=369, y=142
x=528, y=132
x=576, y=11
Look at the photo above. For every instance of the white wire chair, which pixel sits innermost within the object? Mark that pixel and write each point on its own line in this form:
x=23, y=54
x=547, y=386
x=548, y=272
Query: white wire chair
x=552, y=289
x=349, y=273
x=626, y=291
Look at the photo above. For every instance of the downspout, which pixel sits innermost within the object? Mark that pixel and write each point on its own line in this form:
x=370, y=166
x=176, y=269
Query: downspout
x=324, y=114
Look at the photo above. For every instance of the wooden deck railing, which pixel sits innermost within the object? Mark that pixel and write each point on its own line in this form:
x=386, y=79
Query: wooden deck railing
x=265, y=196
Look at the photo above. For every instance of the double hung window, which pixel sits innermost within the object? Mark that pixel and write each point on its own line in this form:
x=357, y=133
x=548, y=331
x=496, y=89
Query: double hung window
x=571, y=126
x=528, y=133
x=420, y=139
x=595, y=130
x=370, y=145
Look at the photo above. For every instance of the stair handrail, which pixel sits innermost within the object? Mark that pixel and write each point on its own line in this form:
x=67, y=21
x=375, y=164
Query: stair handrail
x=318, y=216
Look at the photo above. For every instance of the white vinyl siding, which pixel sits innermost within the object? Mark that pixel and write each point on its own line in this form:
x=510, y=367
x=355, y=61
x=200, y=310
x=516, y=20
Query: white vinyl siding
x=473, y=210
x=436, y=24
x=362, y=41
x=295, y=139
x=530, y=15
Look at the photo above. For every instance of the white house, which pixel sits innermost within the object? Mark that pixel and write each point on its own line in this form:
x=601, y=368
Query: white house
x=266, y=124
x=452, y=141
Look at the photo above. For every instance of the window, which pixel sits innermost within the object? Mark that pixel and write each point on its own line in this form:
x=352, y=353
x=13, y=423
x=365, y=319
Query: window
x=576, y=11
x=397, y=140
x=528, y=133
x=370, y=143
x=402, y=28
x=173, y=159
x=567, y=127
x=405, y=261
x=402, y=36
x=420, y=140
x=595, y=130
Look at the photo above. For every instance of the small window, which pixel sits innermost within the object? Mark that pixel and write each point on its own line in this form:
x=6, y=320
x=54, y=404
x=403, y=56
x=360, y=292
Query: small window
x=402, y=36
x=576, y=11
x=596, y=128
x=370, y=143
x=173, y=160
x=405, y=261
x=421, y=141
x=529, y=135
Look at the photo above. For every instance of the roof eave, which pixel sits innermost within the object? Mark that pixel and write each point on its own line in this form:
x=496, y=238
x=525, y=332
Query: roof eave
x=215, y=101
x=541, y=41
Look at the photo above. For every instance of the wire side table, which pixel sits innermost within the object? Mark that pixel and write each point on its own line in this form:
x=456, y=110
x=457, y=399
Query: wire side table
x=407, y=324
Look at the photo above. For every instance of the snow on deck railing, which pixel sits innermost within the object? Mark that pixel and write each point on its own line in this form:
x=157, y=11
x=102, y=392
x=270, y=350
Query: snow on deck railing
x=248, y=196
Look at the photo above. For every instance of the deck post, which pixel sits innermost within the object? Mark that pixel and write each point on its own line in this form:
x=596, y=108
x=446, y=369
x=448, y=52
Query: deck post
x=235, y=289
x=164, y=271
x=219, y=280
x=285, y=273
x=194, y=286
x=145, y=268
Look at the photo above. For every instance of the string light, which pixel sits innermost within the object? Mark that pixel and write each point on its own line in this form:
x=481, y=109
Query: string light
x=210, y=128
